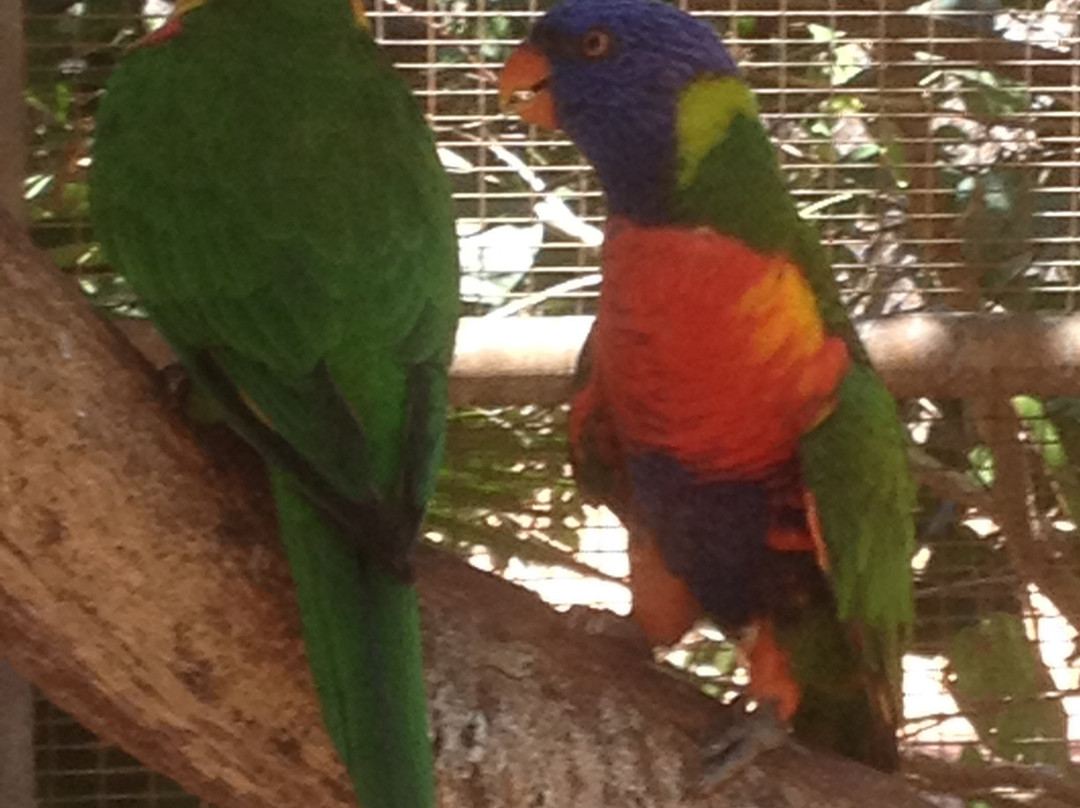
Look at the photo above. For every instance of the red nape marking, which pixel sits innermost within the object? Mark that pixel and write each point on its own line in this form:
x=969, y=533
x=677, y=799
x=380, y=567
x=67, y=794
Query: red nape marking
x=172, y=27
x=663, y=605
x=770, y=671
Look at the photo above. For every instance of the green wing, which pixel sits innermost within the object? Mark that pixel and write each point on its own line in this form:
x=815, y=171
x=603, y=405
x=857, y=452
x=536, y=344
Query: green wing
x=855, y=462
x=268, y=186
x=856, y=465
x=295, y=227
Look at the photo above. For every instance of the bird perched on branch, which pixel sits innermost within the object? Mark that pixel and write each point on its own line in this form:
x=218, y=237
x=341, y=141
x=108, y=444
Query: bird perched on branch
x=268, y=186
x=726, y=410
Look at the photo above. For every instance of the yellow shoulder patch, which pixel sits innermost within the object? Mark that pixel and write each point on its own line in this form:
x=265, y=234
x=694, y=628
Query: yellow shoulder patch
x=785, y=309
x=704, y=112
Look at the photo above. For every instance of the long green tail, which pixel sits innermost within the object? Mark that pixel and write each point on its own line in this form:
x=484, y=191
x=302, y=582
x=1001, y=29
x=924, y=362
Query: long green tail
x=362, y=632
x=850, y=705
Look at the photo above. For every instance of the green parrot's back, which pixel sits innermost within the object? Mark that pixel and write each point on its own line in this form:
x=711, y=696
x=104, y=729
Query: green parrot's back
x=268, y=186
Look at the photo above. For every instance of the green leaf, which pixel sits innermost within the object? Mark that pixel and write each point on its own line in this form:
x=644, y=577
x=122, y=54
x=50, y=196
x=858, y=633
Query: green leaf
x=990, y=96
x=64, y=97
x=505, y=486
x=981, y=460
x=1047, y=441
x=998, y=678
x=744, y=27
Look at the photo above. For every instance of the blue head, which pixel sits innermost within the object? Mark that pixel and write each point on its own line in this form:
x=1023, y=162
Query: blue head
x=610, y=72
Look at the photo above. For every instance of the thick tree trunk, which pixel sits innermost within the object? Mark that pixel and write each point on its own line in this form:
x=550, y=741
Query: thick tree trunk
x=142, y=587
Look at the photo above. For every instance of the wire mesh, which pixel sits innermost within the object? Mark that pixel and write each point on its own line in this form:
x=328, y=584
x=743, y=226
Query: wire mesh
x=75, y=769
x=935, y=144
x=930, y=154
x=936, y=149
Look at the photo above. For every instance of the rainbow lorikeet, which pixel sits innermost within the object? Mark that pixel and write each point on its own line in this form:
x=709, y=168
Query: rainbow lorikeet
x=726, y=410
x=268, y=186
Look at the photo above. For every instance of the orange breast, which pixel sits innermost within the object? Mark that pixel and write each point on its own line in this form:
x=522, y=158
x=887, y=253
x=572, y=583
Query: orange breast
x=712, y=353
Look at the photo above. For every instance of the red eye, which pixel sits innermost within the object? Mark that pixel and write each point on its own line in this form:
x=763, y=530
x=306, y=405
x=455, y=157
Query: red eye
x=596, y=44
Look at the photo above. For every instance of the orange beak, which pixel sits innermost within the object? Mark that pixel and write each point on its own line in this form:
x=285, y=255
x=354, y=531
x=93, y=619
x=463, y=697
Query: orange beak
x=525, y=89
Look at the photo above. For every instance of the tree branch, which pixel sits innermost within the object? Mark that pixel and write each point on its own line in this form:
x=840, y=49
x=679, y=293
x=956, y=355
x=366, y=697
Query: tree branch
x=142, y=587
x=530, y=360
x=948, y=483
x=978, y=781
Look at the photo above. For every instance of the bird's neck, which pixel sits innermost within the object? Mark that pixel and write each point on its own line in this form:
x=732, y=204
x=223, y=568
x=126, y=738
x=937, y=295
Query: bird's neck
x=633, y=152
x=704, y=112
x=640, y=189
x=643, y=160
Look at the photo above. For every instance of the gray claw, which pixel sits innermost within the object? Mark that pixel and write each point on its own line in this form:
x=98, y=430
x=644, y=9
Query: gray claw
x=740, y=743
x=176, y=385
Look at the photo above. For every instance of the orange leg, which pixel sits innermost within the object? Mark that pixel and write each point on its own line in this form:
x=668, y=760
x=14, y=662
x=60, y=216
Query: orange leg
x=663, y=605
x=770, y=671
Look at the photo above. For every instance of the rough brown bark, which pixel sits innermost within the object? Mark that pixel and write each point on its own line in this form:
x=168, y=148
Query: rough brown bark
x=141, y=586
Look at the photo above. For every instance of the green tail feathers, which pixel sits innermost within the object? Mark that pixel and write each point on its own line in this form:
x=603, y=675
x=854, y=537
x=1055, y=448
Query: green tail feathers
x=850, y=703
x=362, y=632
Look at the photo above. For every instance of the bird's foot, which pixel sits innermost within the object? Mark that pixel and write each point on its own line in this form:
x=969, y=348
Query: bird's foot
x=175, y=385
x=184, y=395
x=738, y=744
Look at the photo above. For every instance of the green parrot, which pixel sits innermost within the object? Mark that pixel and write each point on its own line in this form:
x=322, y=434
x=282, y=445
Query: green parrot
x=725, y=408
x=268, y=186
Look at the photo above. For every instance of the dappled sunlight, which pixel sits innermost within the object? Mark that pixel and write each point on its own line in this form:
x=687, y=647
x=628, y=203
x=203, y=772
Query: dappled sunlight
x=933, y=720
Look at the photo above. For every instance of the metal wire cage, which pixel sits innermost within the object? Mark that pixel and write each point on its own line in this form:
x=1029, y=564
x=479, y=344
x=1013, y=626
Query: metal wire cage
x=936, y=146
x=930, y=144
x=75, y=769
